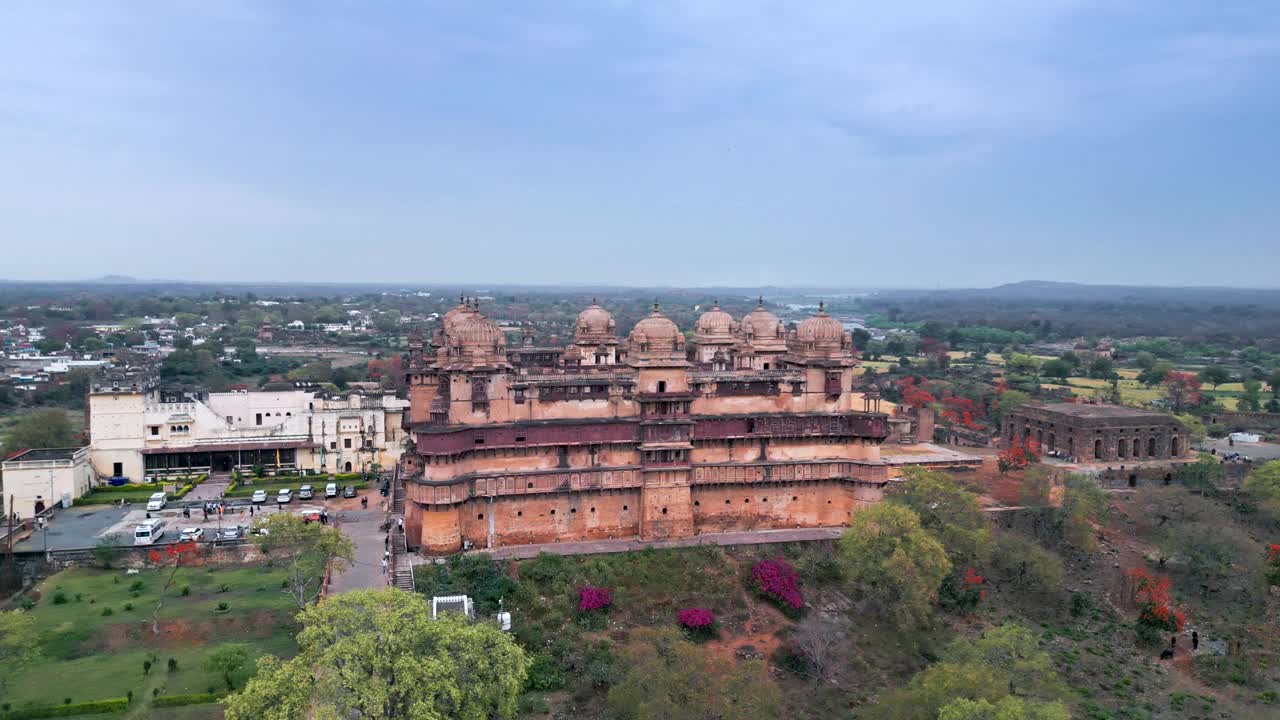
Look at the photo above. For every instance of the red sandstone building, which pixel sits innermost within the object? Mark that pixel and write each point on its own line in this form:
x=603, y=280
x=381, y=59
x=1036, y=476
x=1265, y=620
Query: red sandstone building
x=754, y=426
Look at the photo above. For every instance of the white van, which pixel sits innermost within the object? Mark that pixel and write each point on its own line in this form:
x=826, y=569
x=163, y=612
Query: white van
x=331, y=490
x=148, y=531
x=157, y=501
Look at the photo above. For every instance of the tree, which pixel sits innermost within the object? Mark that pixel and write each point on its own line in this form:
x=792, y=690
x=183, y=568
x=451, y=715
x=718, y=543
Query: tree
x=43, y=429
x=1273, y=382
x=1251, y=399
x=1215, y=375
x=1203, y=474
x=226, y=660
x=947, y=511
x=1263, y=486
x=311, y=548
x=1194, y=427
x=1056, y=368
x=1009, y=401
x=1101, y=367
x=1003, y=671
x=377, y=654
x=19, y=644
x=1155, y=374
x=1019, y=454
x=1182, y=390
x=815, y=641
x=887, y=556
x=1037, y=487
x=172, y=555
x=669, y=678
x=1144, y=359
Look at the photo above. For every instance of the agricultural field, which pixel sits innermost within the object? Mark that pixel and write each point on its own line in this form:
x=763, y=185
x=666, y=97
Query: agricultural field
x=96, y=626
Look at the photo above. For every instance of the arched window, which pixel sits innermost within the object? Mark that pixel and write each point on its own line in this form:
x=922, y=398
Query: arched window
x=1097, y=449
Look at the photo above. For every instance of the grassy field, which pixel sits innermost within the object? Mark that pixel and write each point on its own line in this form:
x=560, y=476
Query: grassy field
x=105, y=653
x=1134, y=393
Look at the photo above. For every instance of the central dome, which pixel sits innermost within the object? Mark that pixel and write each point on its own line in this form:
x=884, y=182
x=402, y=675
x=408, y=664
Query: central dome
x=656, y=335
x=761, y=328
x=478, y=332
x=819, y=328
x=714, y=323
x=594, y=324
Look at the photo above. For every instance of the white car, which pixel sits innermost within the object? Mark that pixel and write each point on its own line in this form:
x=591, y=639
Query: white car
x=157, y=501
x=331, y=490
x=191, y=534
x=286, y=495
x=259, y=496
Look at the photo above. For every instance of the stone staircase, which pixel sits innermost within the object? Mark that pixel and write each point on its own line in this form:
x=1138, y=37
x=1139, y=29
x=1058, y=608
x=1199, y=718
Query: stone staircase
x=402, y=575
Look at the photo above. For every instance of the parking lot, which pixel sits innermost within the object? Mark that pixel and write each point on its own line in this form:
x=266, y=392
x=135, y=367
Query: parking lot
x=84, y=527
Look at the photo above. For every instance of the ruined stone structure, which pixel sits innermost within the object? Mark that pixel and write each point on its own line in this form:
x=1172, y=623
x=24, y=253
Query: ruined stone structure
x=1099, y=433
x=749, y=426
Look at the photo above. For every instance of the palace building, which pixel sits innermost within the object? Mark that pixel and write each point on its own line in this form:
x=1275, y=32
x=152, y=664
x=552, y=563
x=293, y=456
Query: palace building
x=750, y=425
x=1100, y=433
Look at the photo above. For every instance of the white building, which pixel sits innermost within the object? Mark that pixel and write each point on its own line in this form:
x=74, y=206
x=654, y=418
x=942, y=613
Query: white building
x=138, y=429
x=36, y=479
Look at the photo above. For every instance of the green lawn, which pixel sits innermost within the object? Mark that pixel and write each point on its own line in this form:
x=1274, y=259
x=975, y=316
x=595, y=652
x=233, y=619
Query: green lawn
x=104, y=655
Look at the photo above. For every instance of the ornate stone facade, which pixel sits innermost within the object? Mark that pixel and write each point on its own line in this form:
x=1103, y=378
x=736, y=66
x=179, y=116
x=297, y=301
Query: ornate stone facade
x=1099, y=433
x=749, y=426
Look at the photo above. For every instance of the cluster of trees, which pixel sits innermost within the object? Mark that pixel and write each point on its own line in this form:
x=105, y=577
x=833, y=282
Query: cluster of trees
x=40, y=429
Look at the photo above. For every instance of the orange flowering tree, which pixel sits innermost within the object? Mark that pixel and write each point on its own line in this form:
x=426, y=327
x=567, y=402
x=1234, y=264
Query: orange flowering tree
x=1019, y=454
x=914, y=395
x=1273, y=564
x=1156, y=611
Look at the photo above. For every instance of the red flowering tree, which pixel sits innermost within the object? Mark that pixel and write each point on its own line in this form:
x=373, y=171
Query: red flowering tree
x=963, y=592
x=1018, y=455
x=1156, y=612
x=778, y=581
x=914, y=395
x=1273, y=563
x=1182, y=390
x=171, y=557
x=960, y=410
x=591, y=599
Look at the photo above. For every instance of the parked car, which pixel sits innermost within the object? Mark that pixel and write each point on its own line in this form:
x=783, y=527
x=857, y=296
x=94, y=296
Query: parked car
x=285, y=495
x=191, y=534
x=259, y=531
x=259, y=496
x=331, y=490
x=231, y=532
x=157, y=501
x=348, y=492
x=305, y=492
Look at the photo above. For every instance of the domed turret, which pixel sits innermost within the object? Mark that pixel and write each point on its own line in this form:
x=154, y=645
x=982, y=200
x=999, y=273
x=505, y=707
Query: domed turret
x=656, y=338
x=762, y=331
x=714, y=323
x=594, y=325
x=821, y=336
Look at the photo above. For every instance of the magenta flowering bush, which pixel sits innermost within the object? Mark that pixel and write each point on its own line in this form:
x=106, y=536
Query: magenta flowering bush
x=696, y=618
x=778, y=580
x=593, y=598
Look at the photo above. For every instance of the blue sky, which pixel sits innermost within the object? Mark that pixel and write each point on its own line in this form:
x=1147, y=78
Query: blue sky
x=723, y=142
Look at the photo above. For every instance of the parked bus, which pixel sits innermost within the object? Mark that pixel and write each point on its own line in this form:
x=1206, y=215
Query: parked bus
x=148, y=531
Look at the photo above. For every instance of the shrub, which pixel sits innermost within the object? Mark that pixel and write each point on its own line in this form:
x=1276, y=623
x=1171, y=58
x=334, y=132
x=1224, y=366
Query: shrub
x=223, y=607
x=696, y=618
x=777, y=580
x=27, y=603
x=188, y=699
x=173, y=664
x=533, y=704
x=146, y=667
x=128, y=606
x=544, y=673
x=961, y=593
x=137, y=586
x=107, y=612
x=60, y=598
x=93, y=707
x=186, y=590
x=594, y=598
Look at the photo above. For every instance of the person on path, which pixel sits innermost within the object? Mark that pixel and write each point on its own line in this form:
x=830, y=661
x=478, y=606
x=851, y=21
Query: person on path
x=400, y=524
x=1195, y=641
x=1173, y=642
x=386, y=541
x=384, y=565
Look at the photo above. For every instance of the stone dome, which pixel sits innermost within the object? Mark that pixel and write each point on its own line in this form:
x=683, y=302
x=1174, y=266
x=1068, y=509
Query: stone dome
x=455, y=315
x=714, y=323
x=478, y=332
x=820, y=328
x=761, y=326
x=594, y=324
x=656, y=335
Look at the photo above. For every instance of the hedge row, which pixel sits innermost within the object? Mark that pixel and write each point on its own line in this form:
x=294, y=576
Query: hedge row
x=188, y=699
x=93, y=707
x=108, y=494
x=273, y=486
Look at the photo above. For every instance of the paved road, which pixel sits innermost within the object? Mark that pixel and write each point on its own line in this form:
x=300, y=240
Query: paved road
x=75, y=528
x=1257, y=451
x=365, y=529
x=593, y=547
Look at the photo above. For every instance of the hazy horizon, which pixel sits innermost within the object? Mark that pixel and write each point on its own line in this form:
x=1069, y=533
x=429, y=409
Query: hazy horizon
x=666, y=143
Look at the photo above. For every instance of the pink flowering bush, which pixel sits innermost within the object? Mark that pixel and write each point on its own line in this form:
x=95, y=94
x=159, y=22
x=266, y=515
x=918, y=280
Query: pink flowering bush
x=696, y=618
x=593, y=598
x=777, y=580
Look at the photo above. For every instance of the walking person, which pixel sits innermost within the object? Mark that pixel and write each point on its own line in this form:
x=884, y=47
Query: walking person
x=384, y=565
x=400, y=524
x=1173, y=642
x=1195, y=641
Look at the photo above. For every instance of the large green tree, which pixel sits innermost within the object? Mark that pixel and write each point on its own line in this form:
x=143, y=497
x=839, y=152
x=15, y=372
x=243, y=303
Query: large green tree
x=947, y=511
x=43, y=429
x=377, y=654
x=1215, y=375
x=887, y=556
x=669, y=678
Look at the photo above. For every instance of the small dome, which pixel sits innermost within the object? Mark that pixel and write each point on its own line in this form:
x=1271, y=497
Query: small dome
x=760, y=324
x=821, y=327
x=656, y=334
x=714, y=323
x=594, y=324
x=454, y=316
